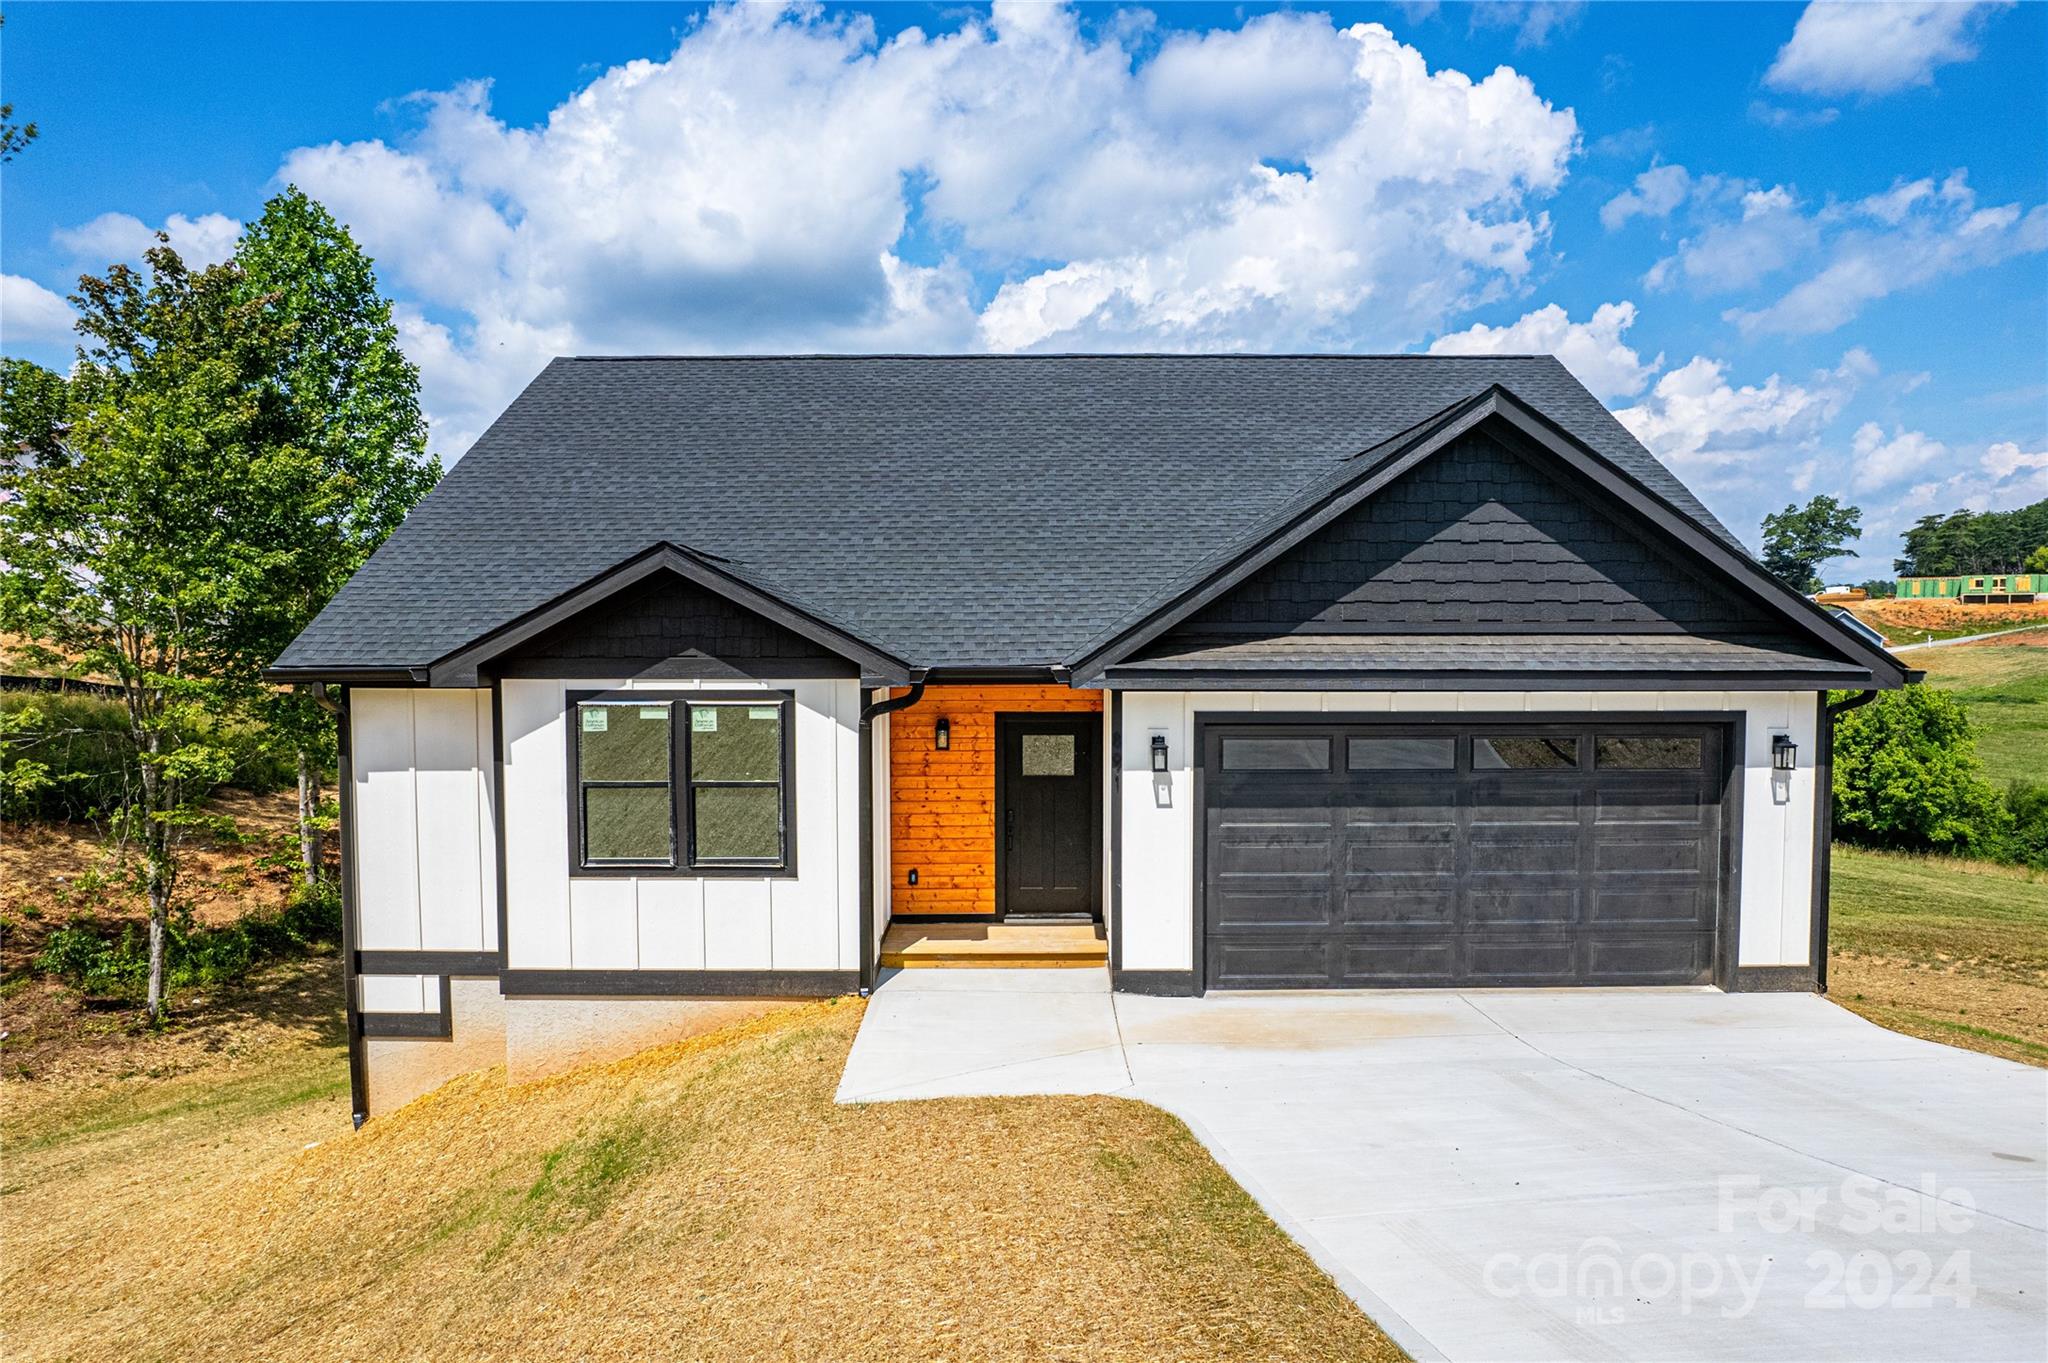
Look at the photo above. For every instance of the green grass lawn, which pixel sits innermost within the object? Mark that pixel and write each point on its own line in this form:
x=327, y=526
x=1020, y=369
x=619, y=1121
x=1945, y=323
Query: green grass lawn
x=2005, y=689
x=1951, y=950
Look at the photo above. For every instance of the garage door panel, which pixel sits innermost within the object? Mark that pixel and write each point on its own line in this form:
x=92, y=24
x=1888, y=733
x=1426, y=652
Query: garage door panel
x=1380, y=964
x=1661, y=958
x=1556, y=870
x=1392, y=903
x=1523, y=907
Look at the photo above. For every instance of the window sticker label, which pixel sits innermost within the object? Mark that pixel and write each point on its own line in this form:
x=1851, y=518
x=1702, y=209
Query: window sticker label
x=704, y=720
x=596, y=720
x=654, y=712
x=760, y=712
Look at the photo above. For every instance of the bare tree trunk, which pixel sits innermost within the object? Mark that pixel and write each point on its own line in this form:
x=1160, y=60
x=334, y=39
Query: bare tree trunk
x=309, y=806
x=158, y=905
x=156, y=858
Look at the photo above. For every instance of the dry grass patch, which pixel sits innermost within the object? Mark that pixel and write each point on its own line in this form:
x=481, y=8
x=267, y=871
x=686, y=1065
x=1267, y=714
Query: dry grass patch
x=1938, y=947
x=706, y=1200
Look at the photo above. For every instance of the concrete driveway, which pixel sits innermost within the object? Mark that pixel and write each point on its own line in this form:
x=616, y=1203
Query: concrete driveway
x=1621, y=1174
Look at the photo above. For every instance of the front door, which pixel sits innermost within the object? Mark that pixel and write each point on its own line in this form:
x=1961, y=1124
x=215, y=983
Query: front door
x=1048, y=815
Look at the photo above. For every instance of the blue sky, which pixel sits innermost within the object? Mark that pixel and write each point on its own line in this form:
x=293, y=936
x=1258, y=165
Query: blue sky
x=1799, y=249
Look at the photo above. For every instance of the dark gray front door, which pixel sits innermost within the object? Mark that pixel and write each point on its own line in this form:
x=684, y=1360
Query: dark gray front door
x=1498, y=854
x=1048, y=797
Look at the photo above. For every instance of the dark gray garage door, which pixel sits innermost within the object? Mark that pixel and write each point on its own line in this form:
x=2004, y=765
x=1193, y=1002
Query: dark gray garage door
x=1534, y=854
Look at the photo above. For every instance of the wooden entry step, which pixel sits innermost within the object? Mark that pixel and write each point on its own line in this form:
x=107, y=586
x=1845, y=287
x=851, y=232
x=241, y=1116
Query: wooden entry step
x=1032, y=945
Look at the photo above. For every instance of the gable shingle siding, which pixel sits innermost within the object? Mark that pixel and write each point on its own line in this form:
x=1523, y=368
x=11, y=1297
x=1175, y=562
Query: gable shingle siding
x=1478, y=538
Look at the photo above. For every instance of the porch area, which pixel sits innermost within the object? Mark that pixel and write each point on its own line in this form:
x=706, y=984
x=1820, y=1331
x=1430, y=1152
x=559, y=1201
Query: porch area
x=909, y=944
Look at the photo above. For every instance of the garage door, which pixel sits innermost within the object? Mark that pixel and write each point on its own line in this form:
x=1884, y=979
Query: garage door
x=1368, y=855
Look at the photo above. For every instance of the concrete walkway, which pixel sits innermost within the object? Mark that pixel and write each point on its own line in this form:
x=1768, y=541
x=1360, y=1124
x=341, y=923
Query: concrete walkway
x=1617, y=1174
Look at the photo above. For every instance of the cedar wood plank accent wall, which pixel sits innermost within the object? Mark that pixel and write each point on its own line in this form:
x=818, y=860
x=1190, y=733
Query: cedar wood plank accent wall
x=942, y=805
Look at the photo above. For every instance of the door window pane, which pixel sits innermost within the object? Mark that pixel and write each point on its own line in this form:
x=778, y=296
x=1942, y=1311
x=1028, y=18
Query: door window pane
x=738, y=823
x=1525, y=753
x=1276, y=754
x=626, y=823
x=1649, y=754
x=735, y=742
x=1048, y=754
x=623, y=742
x=1403, y=754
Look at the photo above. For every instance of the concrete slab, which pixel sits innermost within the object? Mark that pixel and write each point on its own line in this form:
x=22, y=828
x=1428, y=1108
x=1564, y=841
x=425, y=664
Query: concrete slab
x=1621, y=1174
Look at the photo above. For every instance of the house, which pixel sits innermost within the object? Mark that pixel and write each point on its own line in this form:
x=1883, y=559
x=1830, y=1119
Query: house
x=695, y=676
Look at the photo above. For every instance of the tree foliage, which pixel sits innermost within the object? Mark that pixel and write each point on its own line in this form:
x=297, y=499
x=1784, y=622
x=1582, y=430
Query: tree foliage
x=14, y=137
x=1906, y=776
x=344, y=392
x=1975, y=542
x=1798, y=540
x=147, y=508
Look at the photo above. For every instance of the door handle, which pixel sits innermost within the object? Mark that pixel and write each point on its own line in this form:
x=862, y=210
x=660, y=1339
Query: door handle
x=1010, y=830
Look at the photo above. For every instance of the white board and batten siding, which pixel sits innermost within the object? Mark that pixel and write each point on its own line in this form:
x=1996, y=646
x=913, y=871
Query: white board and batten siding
x=556, y=920
x=426, y=852
x=1776, y=842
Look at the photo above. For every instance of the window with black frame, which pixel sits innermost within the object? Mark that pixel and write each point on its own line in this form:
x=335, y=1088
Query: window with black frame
x=682, y=784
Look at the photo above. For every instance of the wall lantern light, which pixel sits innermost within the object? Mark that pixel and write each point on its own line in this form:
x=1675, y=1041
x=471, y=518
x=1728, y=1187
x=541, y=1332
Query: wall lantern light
x=942, y=734
x=1784, y=752
x=1159, y=752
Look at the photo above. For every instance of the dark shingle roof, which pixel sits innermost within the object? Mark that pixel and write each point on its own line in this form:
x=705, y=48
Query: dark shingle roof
x=953, y=511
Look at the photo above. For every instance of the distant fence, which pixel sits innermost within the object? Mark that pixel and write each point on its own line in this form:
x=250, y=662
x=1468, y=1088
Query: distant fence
x=69, y=686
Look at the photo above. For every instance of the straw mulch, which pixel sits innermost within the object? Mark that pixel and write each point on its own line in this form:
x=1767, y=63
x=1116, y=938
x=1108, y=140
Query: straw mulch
x=703, y=1201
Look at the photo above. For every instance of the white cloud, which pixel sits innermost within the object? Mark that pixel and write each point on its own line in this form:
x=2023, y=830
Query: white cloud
x=1750, y=233
x=1707, y=428
x=1776, y=116
x=1593, y=350
x=119, y=237
x=784, y=180
x=32, y=315
x=1923, y=234
x=1874, y=47
x=1880, y=462
x=1535, y=21
x=1657, y=191
x=2006, y=458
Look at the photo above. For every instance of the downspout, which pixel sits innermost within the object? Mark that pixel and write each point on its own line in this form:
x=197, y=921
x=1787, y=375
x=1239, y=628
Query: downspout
x=869, y=710
x=358, y=1074
x=1824, y=825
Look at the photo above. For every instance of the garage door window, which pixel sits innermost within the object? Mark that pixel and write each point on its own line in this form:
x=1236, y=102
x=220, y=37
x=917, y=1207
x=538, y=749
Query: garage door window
x=1649, y=754
x=1532, y=753
x=1276, y=754
x=1402, y=754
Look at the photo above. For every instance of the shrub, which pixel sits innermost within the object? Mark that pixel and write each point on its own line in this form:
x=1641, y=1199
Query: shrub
x=2027, y=841
x=103, y=963
x=1906, y=776
x=69, y=756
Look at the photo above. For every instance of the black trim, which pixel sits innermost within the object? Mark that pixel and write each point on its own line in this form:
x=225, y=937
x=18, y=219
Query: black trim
x=348, y=676
x=345, y=774
x=1299, y=679
x=869, y=709
x=1090, y=738
x=459, y=668
x=427, y=962
x=1773, y=979
x=498, y=816
x=1165, y=984
x=951, y=917
x=439, y=1024
x=689, y=667
x=1317, y=508
x=1734, y=755
x=678, y=983
x=682, y=817
x=1115, y=910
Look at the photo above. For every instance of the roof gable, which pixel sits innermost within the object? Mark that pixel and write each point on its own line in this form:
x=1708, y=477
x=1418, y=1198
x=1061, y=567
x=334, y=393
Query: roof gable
x=1479, y=539
x=1531, y=435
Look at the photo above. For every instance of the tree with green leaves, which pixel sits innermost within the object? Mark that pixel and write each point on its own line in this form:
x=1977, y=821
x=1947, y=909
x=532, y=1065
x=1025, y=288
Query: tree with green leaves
x=1798, y=540
x=14, y=137
x=345, y=393
x=147, y=511
x=2037, y=562
x=1906, y=776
